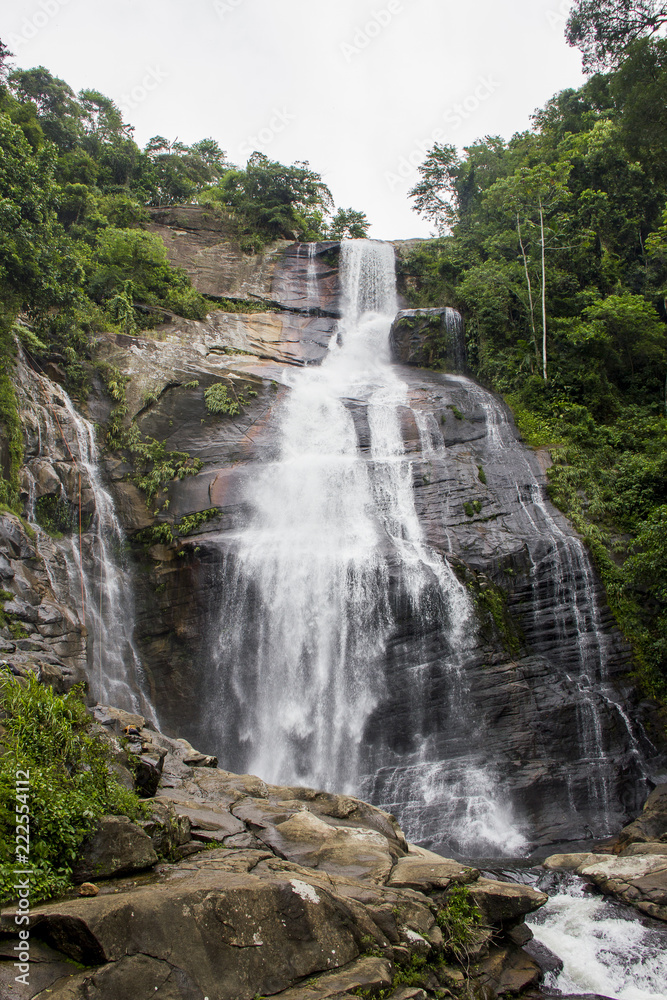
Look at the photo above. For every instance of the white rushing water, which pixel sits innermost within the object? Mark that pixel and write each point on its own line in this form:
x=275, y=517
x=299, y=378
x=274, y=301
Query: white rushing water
x=567, y=618
x=98, y=583
x=302, y=660
x=604, y=947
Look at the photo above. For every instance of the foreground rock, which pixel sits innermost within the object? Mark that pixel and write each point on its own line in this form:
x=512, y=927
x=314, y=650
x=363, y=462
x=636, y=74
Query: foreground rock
x=304, y=894
x=637, y=872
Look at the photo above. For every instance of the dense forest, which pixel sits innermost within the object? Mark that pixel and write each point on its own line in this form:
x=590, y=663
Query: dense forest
x=553, y=244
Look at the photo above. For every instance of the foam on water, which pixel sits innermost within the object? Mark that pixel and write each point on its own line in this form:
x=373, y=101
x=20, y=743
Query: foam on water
x=604, y=947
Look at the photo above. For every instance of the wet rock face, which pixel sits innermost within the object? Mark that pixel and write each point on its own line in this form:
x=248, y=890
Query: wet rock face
x=543, y=669
x=426, y=336
x=39, y=634
x=533, y=704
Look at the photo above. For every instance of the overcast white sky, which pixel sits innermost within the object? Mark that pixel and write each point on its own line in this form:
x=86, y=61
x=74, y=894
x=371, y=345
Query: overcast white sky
x=358, y=88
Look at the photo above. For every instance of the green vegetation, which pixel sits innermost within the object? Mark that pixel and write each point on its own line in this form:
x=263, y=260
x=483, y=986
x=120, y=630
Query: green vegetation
x=191, y=522
x=9, y=421
x=458, y=920
x=75, y=257
x=70, y=783
x=219, y=401
x=554, y=246
x=8, y=620
x=56, y=514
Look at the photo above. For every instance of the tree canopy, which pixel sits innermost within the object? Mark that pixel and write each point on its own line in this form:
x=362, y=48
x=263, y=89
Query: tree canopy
x=603, y=29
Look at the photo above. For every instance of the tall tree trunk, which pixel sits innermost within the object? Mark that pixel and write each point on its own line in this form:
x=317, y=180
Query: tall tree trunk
x=530, y=290
x=544, y=297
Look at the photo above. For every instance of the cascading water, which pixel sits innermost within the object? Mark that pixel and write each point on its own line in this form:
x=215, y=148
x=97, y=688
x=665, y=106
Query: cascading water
x=327, y=579
x=605, y=947
x=563, y=603
x=311, y=277
x=97, y=581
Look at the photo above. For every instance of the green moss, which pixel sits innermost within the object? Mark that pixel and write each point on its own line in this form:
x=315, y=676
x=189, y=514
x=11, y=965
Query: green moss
x=492, y=603
x=57, y=515
x=10, y=423
x=455, y=410
x=481, y=474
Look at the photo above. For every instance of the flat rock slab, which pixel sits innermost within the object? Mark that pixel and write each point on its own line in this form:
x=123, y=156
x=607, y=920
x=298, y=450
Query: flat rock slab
x=571, y=862
x=372, y=974
x=640, y=881
x=424, y=875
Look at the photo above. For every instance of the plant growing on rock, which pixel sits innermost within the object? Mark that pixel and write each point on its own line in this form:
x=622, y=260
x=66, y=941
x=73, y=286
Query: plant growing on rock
x=458, y=920
x=219, y=401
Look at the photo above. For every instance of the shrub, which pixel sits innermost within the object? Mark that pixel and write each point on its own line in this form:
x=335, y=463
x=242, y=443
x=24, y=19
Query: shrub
x=70, y=784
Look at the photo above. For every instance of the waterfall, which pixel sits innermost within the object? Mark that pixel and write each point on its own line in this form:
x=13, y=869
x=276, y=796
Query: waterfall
x=97, y=582
x=563, y=605
x=327, y=578
x=311, y=277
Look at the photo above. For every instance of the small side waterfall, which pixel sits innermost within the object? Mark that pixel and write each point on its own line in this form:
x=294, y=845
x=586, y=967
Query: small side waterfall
x=563, y=603
x=456, y=337
x=62, y=462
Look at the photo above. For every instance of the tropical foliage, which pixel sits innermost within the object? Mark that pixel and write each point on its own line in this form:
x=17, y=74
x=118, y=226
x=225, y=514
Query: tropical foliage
x=554, y=245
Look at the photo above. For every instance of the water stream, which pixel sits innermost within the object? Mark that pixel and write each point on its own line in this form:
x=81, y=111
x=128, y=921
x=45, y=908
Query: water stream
x=97, y=583
x=606, y=947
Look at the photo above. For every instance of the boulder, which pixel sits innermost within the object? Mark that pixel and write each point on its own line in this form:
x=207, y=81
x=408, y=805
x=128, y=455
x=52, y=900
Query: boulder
x=228, y=931
x=307, y=840
x=639, y=880
x=505, y=902
x=424, y=336
x=167, y=829
x=425, y=875
x=651, y=825
x=117, y=847
x=644, y=848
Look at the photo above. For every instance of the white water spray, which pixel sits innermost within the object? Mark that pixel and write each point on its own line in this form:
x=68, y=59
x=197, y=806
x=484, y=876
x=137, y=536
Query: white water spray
x=308, y=617
x=98, y=582
x=604, y=947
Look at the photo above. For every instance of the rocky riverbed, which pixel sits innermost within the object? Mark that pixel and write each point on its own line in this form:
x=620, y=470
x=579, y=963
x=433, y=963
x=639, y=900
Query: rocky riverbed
x=268, y=891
